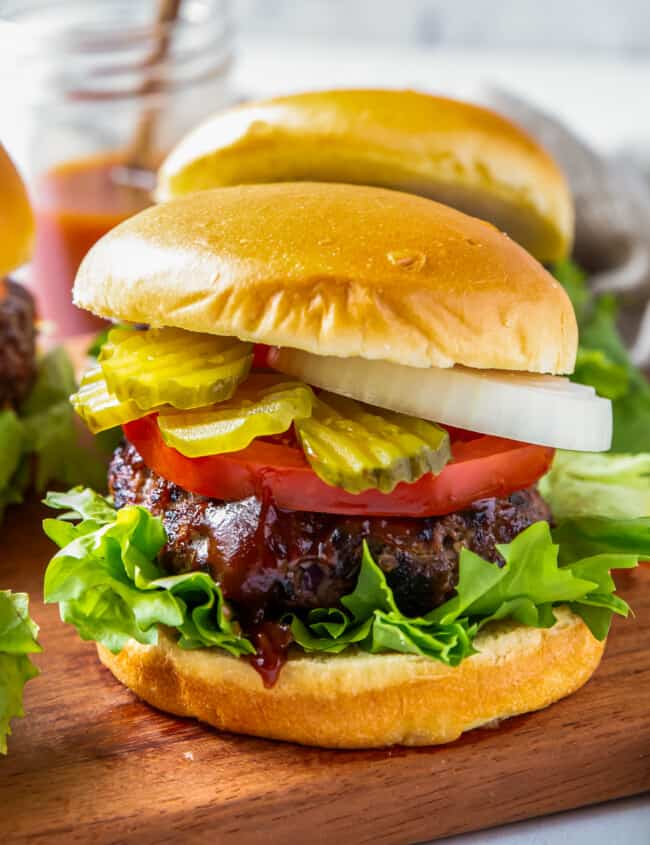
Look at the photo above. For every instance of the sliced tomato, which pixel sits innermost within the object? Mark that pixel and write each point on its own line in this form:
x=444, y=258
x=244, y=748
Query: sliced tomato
x=261, y=356
x=482, y=467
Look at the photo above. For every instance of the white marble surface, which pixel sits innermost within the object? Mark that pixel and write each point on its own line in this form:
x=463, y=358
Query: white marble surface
x=605, y=97
x=607, y=100
x=624, y=822
x=613, y=25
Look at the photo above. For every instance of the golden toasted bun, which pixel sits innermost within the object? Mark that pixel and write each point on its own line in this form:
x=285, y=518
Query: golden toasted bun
x=334, y=270
x=453, y=152
x=16, y=219
x=359, y=700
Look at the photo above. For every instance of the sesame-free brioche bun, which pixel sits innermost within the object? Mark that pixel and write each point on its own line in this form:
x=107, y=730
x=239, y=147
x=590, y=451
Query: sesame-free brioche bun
x=360, y=700
x=334, y=270
x=450, y=151
x=16, y=219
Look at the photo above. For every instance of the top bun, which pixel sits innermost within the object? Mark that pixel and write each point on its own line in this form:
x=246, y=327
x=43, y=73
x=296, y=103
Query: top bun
x=16, y=219
x=334, y=270
x=459, y=154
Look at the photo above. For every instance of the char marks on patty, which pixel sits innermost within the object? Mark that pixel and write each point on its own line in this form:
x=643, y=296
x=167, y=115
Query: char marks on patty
x=269, y=560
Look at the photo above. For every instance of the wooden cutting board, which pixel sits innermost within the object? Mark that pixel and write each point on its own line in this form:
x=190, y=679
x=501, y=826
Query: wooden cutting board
x=90, y=763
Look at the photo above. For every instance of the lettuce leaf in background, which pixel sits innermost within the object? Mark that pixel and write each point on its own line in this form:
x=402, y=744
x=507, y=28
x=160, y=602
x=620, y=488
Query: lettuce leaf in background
x=586, y=484
x=108, y=584
x=573, y=280
x=13, y=492
x=610, y=380
x=615, y=485
x=42, y=443
x=12, y=437
x=95, y=346
x=586, y=536
x=50, y=430
x=604, y=363
x=17, y=640
x=54, y=382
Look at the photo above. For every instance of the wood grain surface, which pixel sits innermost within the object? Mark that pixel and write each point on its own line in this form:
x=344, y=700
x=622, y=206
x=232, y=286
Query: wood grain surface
x=90, y=763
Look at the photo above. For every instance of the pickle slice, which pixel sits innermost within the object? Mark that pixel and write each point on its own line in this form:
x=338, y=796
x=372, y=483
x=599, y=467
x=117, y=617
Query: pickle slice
x=358, y=447
x=174, y=367
x=265, y=404
x=98, y=407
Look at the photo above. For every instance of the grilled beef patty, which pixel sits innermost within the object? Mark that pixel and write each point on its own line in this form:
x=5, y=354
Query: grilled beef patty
x=17, y=344
x=269, y=560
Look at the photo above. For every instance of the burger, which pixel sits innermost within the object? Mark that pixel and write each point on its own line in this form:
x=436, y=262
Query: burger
x=455, y=152
x=323, y=523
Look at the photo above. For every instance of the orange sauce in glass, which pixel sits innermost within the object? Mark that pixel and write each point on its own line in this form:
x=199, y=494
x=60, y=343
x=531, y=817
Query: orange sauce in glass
x=75, y=204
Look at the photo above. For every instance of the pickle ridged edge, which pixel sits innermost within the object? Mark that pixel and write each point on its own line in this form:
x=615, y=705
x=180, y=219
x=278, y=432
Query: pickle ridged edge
x=357, y=448
x=265, y=405
x=98, y=407
x=174, y=367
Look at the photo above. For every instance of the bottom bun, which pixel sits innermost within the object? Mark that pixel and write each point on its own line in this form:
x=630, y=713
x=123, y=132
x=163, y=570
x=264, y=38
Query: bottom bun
x=360, y=700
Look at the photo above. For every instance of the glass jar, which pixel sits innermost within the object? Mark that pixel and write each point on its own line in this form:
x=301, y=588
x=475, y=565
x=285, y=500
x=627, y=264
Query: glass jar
x=99, y=92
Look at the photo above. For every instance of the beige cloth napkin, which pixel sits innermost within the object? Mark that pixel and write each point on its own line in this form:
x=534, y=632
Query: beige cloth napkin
x=612, y=198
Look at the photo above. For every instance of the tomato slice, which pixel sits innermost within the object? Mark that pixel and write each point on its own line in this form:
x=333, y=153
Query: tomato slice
x=261, y=356
x=481, y=468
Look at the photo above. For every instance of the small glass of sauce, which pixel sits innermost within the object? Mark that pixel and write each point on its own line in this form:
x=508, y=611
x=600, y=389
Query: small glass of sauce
x=105, y=89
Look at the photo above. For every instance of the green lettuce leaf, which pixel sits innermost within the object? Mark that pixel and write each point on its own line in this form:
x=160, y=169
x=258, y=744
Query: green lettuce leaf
x=54, y=382
x=48, y=422
x=604, y=363
x=12, y=464
x=525, y=589
x=632, y=405
x=95, y=346
x=587, y=536
x=109, y=586
x=531, y=571
x=375, y=624
x=50, y=429
x=585, y=484
x=42, y=428
x=42, y=442
x=608, y=379
x=574, y=280
x=18, y=635
x=11, y=438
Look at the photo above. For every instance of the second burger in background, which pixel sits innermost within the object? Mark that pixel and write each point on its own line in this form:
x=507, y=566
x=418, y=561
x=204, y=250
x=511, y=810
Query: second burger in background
x=451, y=151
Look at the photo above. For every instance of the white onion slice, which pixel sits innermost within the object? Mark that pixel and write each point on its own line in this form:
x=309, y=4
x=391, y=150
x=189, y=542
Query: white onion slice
x=540, y=409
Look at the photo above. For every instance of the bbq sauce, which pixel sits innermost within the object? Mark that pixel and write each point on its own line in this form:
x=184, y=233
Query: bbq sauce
x=247, y=528
x=271, y=641
x=75, y=204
